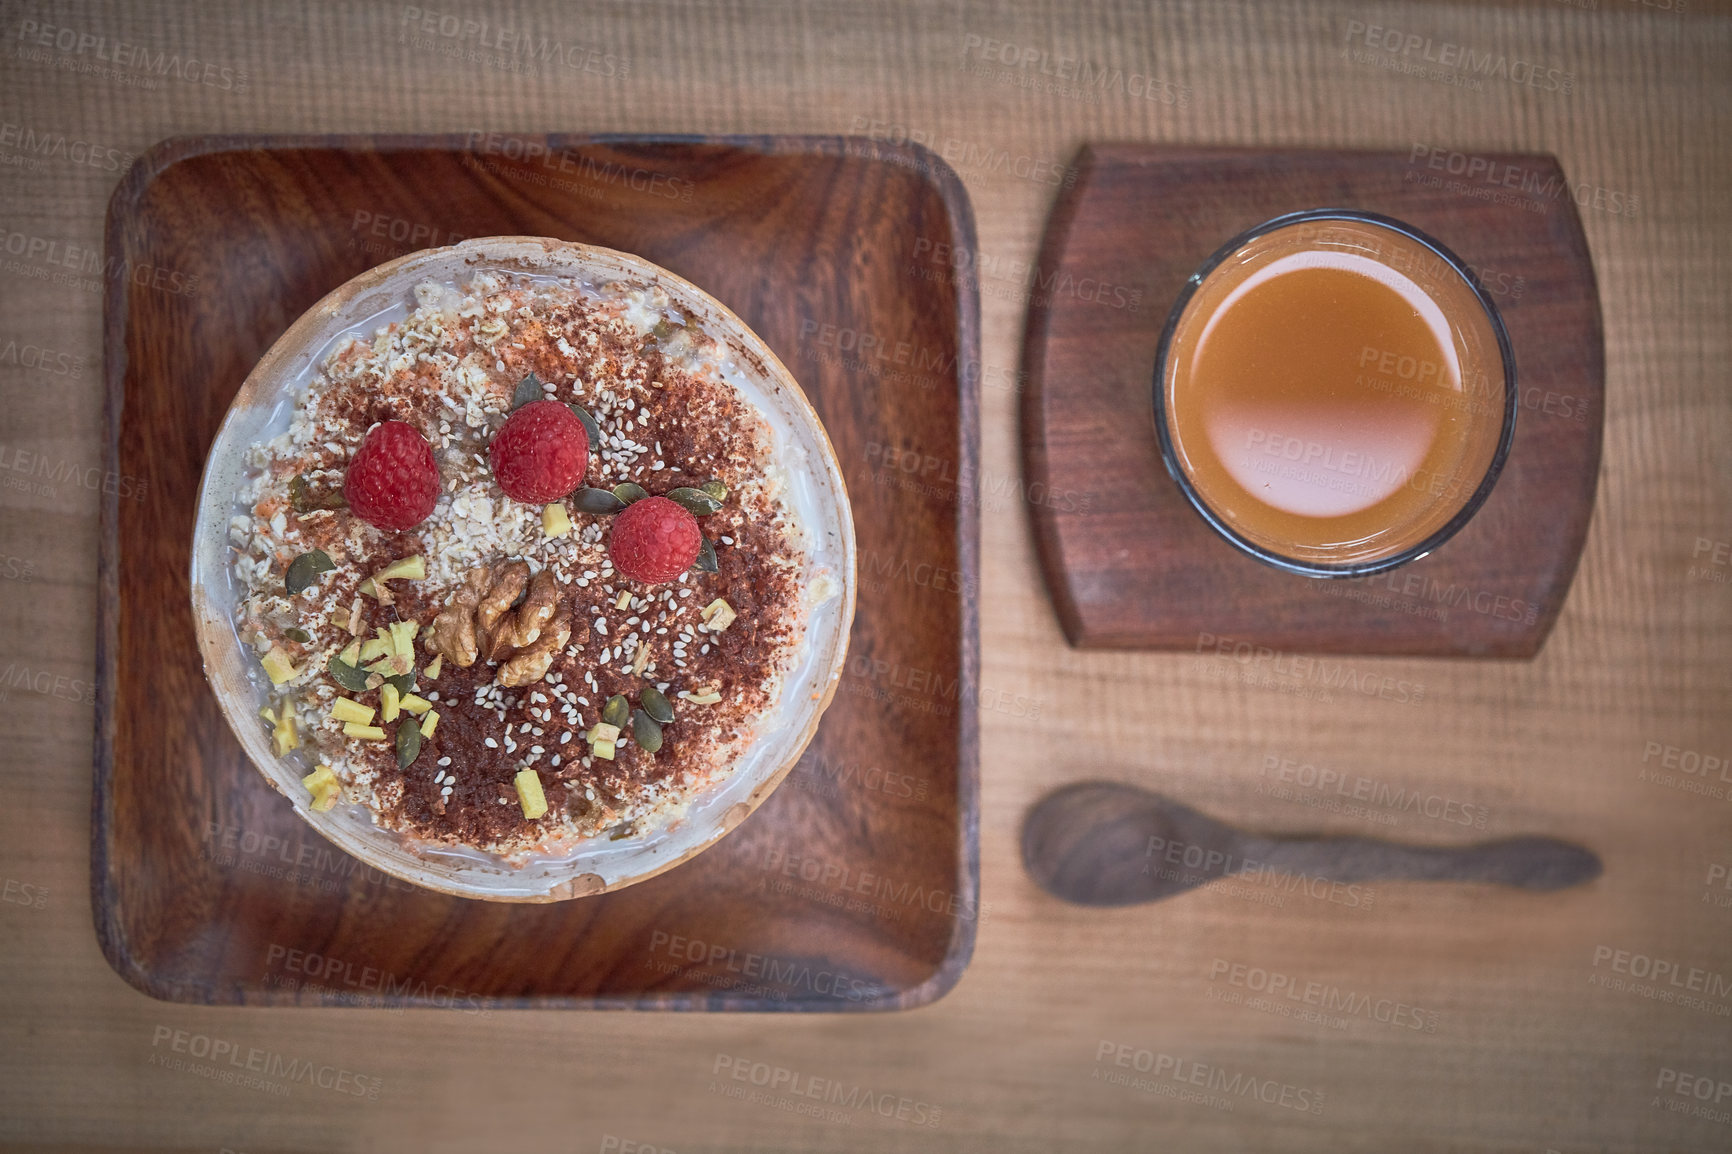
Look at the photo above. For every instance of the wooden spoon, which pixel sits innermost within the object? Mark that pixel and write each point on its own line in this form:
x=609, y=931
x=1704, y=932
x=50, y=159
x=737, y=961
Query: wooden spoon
x=1105, y=844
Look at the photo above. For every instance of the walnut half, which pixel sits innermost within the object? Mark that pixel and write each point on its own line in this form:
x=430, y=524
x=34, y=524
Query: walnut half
x=479, y=622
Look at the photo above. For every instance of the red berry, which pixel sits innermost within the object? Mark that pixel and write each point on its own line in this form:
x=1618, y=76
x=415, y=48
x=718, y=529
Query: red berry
x=393, y=482
x=540, y=453
x=654, y=540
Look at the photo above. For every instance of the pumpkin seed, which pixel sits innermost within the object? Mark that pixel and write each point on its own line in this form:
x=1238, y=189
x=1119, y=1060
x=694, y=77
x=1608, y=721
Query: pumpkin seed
x=300, y=635
x=615, y=712
x=346, y=675
x=590, y=428
x=630, y=492
x=715, y=489
x=695, y=501
x=645, y=731
x=305, y=569
x=596, y=501
x=528, y=389
x=656, y=705
x=408, y=743
x=706, y=557
x=405, y=682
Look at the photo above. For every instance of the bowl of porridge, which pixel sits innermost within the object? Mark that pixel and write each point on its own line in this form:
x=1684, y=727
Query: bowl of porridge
x=523, y=569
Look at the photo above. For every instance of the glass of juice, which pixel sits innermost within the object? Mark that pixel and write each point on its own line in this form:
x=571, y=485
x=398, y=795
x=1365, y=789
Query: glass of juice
x=1335, y=393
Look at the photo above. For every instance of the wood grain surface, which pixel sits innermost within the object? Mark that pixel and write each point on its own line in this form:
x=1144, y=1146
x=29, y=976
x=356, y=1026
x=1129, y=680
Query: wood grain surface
x=1435, y=1017
x=1131, y=565
x=248, y=885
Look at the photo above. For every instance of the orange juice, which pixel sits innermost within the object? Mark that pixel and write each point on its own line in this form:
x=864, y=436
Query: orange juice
x=1334, y=392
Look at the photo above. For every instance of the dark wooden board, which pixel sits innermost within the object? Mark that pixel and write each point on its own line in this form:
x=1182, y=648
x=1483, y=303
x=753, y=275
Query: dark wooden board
x=1130, y=565
x=853, y=887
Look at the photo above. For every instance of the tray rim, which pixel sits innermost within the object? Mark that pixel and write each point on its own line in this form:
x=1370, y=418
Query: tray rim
x=123, y=207
x=1031, y=418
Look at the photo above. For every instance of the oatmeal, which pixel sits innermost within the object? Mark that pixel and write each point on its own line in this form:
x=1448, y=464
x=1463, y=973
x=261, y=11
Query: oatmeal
x=476, y=658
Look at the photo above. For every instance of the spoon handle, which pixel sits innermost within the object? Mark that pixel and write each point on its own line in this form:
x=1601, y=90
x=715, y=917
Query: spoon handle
x=1534, y=863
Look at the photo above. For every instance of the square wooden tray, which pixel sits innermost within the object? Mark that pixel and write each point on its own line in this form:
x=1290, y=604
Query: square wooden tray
x=854, y=887
x=1131, y=565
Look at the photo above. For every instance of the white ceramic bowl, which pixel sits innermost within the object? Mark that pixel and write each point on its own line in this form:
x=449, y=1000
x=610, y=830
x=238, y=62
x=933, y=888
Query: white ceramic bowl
x=264, y=407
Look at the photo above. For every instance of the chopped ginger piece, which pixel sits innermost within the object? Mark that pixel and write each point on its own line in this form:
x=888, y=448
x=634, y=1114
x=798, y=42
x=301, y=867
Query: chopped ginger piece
x=411, y=703
x=718, y=615
x=555, y=521
x=390, y=702
x=623, y=600
x=371, y=649
x=408, y=568
x=279, y=666
x=324, y=786
x=285, y=736
x=603, y=739
x=345, y=709
x=429, y=723
x=402, y=638
x=364, y=732
x=351, y=655
x=435, y=668
x=529, y=794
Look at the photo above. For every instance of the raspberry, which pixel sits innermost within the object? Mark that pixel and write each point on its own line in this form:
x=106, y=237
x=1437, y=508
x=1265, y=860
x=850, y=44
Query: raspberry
x=393, y=482
x=540, y=453
x=654, y=540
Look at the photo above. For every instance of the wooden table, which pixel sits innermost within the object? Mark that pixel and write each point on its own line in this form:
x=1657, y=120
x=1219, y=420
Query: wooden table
x=1237, y=1017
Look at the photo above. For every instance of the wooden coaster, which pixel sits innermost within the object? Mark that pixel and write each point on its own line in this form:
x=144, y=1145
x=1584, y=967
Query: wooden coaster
x=1132, y=566
x=854, y=887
